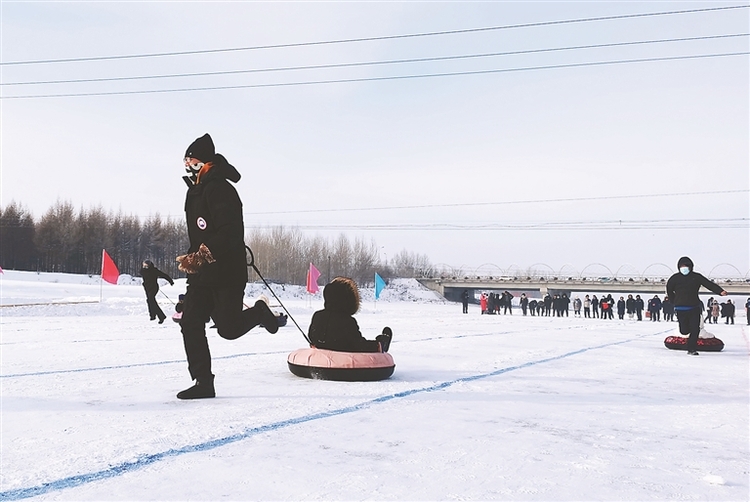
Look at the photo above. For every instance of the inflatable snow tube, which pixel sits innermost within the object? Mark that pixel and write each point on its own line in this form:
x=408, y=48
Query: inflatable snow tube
x=176, y=317
x=324, y=364
x=704, y=344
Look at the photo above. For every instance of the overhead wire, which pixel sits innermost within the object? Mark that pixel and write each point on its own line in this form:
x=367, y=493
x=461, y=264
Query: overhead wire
x=377, y=38
x=378, y=63
x=503, y=203
x=385, y=78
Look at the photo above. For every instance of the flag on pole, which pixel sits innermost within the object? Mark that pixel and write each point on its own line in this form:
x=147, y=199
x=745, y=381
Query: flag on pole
x=379, y=285
x=312, y=279
x=109, y=269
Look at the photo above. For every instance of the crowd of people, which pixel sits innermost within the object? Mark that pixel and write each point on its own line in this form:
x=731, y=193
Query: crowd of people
x=591, y=306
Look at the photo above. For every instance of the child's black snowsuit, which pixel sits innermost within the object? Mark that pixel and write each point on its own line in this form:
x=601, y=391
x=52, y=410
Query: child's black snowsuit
x=334, y=328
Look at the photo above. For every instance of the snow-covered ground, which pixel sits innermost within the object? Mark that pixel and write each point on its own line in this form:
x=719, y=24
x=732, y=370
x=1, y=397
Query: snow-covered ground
x=479, y=407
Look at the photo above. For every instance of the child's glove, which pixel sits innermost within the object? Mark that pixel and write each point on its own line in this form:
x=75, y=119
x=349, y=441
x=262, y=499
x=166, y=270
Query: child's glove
x=192, y=263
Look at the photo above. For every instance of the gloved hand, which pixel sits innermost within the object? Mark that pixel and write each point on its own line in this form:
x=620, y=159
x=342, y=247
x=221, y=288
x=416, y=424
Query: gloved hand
x=192, y=263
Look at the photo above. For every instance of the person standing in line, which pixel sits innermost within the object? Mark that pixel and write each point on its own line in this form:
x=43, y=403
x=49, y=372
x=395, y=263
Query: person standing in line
x=655, y=308
x=621, y=308
x=482, y=304
x=709, y=304
x=216, y=264
x=465, y=301
x=508, y=307
x=595, y=306
x=683, y=289
x=715, y=310
x=565, y=304
x=667, y=309
x=630, y=306
x=747, y=311
x=639, y=307
x=587, y=307
x=577, y=307
x=150, y=275
x=524, y=301
x=729, y=312
x=547, y=305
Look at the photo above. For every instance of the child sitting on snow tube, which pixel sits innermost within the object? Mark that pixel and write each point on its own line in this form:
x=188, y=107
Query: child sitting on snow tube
x=338, y=351
x=334, y=328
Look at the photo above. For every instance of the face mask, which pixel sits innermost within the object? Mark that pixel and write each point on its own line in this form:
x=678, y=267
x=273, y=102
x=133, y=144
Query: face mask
x=684, y=270
x=193, y=168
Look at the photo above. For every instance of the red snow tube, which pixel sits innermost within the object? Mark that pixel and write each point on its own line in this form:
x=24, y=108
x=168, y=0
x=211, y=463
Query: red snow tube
x=322, y=364
x=704, y=344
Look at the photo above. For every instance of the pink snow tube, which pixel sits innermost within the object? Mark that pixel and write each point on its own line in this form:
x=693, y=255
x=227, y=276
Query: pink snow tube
x=324, y=364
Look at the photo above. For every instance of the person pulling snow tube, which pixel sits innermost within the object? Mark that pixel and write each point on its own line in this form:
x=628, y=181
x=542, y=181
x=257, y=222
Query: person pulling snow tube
x=704, y=344
x=322, y=364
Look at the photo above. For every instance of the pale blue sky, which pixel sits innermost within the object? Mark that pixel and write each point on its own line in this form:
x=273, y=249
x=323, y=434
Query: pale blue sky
x=605, y=131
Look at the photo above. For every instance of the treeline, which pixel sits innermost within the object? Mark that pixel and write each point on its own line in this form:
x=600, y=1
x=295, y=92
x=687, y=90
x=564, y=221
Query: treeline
x=68, y=240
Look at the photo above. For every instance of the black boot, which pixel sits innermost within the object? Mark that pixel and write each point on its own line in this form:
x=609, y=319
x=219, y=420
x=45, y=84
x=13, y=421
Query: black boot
x=202, y=389
x=385, y=338
x=267, y=318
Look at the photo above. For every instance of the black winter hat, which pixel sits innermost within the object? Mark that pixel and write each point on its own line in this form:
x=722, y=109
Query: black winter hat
x=202, y=149
x=686, y=262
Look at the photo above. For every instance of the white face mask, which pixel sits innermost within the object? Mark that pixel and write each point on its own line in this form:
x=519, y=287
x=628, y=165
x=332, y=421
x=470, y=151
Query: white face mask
x=684, y=270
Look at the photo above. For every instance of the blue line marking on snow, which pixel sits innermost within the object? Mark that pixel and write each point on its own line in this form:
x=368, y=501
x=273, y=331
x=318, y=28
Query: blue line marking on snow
x=160, y=363
x=136, y=365
x=146, y=460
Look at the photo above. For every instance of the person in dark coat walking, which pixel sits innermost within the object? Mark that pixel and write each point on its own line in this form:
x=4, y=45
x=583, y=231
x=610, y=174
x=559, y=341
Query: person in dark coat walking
x=334, y=328
x=150, y=275
x=465, y=301
x=215, y=264
x=683, y=289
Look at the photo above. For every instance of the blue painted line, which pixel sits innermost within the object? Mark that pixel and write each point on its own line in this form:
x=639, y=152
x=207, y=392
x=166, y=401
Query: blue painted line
x=146, y=460
x=160, y=363
x=138, y=365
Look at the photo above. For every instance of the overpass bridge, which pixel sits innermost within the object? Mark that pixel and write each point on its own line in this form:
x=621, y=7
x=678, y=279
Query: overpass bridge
x=452, y=287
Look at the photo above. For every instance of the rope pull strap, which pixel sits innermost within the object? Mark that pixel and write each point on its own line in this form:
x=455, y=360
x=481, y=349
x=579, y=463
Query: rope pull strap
x=252, y=264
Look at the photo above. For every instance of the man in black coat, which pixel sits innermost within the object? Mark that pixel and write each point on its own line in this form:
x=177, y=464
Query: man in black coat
x=150, y=275
x=465, y=301
x=215, y=264
x=682, y=289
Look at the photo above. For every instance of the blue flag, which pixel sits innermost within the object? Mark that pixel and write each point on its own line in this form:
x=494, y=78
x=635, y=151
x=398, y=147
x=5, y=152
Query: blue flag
x=379, y=285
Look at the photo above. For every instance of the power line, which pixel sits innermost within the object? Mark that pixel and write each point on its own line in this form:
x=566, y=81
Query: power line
x=386, y=78
x=374, y=63
x=503, y=203
x=666, y=224
x=371, y=39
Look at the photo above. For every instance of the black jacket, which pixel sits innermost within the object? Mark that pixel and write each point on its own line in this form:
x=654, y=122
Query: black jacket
x=214, y=217
x=150, y=275
x=682, y=290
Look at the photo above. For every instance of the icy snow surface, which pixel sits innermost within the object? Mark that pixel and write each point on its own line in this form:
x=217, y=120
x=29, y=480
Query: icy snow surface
x=479, y=407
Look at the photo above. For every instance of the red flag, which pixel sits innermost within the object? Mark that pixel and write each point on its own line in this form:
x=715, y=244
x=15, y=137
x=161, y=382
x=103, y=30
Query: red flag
x=109, y=269
x=312, y=279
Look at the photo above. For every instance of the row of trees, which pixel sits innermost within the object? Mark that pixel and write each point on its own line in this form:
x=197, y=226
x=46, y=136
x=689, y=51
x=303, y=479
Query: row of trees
x=68, y=240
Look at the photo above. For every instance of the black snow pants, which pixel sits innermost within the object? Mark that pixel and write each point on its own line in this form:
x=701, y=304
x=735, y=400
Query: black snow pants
x=154, y=310
x=223, y=305
x=690, y=324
